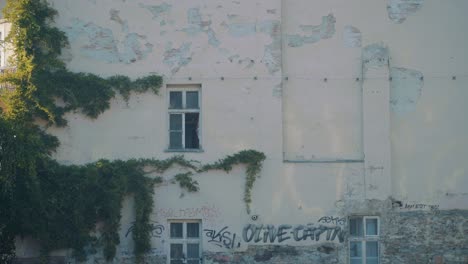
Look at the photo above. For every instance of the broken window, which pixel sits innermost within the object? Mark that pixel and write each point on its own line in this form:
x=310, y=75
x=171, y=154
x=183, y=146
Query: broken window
x=364, y=240
x=184, y=118
x=185, y=242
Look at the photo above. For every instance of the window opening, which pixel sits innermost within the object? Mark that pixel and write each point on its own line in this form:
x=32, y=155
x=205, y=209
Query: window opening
x=184, y=118
x=364, y=240
x=185, y=242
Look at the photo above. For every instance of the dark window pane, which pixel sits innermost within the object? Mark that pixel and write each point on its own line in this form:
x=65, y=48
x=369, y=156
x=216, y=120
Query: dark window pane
x=192, y=100
x=355, y=227
x=371, y=227
x=355, y=249
x=372, y=249
x=193, y=251
x=372, y=261
x=175, y=100
x=176, y=251
x=175, y=122
x=176, y=230
x=175, y=140
x=356, y=261
x=193, y=230
x=191, y=131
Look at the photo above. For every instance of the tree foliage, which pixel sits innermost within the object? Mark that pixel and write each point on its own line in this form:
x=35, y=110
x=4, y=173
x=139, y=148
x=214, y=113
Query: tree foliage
x=62, y=205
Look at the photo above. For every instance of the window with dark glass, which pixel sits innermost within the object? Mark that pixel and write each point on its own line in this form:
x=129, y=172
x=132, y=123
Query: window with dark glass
x=364, y=240
x=185, y=242
x=184, y=119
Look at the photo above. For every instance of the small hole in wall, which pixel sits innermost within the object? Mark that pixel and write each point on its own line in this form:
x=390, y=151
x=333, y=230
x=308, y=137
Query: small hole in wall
x=255, y=78
x=222, y=78
x=421, y=78
x=286, y=78
x=189, y=78
x=357, y=79
x=454, y=78
x=325, y=80
x=390, y=78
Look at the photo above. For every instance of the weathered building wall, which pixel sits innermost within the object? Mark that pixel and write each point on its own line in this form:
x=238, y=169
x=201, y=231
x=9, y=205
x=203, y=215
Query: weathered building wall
x=358, y=105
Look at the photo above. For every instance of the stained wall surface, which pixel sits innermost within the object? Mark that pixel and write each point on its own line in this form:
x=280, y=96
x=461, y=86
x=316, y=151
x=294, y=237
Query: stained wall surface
x=358, y=105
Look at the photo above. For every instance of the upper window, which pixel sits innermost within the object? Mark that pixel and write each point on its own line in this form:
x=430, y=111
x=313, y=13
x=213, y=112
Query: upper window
x=184, y=118
x=364, y=240
x=185, y=242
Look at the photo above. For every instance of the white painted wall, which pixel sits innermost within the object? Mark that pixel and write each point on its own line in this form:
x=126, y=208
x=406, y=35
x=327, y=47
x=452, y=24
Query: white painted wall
x=343, y=139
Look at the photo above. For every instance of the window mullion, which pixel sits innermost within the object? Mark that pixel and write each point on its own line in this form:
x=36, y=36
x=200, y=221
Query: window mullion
x=364, y=254
x=184, y=106
x=364, y=220
x=183, y=131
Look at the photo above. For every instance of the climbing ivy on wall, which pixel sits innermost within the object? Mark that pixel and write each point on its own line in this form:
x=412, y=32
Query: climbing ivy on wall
x=73, y=206
x=41, y=77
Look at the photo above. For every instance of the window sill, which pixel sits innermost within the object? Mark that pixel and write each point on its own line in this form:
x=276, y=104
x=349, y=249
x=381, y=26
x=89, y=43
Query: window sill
x=184, y=150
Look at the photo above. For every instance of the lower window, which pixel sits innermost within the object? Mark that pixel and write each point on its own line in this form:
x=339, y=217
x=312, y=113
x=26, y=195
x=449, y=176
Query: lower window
x=364, y=240
x=185, y=242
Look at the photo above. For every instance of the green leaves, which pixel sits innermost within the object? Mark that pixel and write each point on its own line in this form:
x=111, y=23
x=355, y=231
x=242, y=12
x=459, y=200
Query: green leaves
x=41, y=78
x=252, y=159
x=60, y=205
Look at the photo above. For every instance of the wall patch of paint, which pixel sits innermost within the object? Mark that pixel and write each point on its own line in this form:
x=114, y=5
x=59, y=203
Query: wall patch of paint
x=157, y=10
x=197, y=25
x=102, y=44
x=375, y=56
x=313, y=33
x=133, y=50
x=399, y=10
x=241, y=29
x=278, y=90
x=352, y=37
x=405, y=89
x=272, y=53
x=177, y=57
x=114, y=16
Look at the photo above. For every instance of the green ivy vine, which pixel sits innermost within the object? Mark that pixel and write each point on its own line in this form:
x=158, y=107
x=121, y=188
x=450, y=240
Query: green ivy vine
x=61, y=205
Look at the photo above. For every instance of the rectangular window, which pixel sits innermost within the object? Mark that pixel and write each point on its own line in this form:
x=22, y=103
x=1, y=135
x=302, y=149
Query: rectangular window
x=185, y=242
x=364, y=240
x=184, y=118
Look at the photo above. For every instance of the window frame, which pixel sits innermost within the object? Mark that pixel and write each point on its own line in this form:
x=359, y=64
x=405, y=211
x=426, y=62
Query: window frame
x=183, y=111
x=185, y=240
x=362, y=240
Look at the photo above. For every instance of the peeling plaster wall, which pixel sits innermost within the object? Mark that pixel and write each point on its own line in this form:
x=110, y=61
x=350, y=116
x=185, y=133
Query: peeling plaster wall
x=320, y=70
x=326, y=73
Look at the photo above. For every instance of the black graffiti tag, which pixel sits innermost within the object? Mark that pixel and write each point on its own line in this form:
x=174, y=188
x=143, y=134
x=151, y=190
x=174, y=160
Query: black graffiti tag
x=332, y=220
x=222, y=238
x=270, y=233
x=156, y=229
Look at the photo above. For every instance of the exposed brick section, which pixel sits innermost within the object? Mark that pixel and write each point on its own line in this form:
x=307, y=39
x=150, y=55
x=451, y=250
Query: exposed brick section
x=321, y=253
x=439, y=237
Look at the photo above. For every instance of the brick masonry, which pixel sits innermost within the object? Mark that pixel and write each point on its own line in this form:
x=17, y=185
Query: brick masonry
x=407, y=237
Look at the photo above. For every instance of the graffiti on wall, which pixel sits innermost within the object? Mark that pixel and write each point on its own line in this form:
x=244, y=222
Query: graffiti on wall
x=415, y=206
x=332, y=220
x=271, y=233
x=208, y=213
x=156, y=229
x=328, y=228
x=222, y=238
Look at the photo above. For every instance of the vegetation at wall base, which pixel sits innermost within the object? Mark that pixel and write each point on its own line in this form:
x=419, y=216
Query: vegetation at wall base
x=73, y=206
